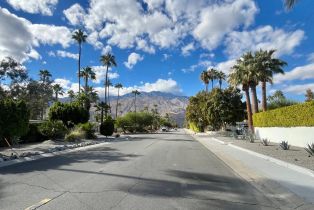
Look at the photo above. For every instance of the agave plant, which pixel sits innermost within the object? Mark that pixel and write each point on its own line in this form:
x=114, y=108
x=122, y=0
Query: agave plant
x=310, y=149
x=265, y=142
x=284, y=145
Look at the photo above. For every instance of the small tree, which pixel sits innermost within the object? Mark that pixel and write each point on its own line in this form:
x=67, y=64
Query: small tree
x=309, y=96
x=14, y=117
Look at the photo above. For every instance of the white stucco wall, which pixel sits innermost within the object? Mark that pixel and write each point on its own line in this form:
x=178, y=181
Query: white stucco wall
x=296, y=136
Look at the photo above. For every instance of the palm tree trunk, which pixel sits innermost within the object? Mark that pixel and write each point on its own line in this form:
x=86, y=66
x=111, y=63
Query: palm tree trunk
x=135, y=103
x=109, y=99
x=117, y=103
x=254, y=98
x=206, y=88
x=264, y=103
x=249, y=109
x=220, y=83
x=212, y=84
x=106, y=83
x=79, y=67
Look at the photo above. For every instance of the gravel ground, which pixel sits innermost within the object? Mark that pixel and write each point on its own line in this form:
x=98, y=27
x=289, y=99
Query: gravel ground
x=295, y=155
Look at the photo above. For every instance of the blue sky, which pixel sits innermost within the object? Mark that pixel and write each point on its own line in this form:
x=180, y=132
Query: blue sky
x=159, y=45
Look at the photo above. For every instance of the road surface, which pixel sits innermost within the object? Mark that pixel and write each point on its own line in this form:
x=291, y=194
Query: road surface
x=149, y=171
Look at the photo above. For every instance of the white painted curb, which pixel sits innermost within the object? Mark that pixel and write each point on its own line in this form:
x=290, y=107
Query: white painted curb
x=52, y=154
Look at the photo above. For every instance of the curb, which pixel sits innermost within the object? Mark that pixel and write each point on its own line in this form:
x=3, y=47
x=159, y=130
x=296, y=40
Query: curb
x=294, y=167
x=45, y=155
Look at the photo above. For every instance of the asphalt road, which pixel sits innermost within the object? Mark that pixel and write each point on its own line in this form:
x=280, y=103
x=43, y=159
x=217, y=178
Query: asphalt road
x=151, y=171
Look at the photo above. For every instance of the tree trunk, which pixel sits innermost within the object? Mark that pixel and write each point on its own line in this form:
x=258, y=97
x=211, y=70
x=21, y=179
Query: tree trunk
x=264, y=103
x=135, y=104
x=220, y=83
x=206, y=88
x=248, y=109
x=102, y=115
x=79, y=68
x=117, y=103
x=212, y=84
x=254, y=98
x=86, y=83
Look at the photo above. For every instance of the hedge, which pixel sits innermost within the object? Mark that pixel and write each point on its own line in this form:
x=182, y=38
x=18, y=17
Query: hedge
x=299, y=115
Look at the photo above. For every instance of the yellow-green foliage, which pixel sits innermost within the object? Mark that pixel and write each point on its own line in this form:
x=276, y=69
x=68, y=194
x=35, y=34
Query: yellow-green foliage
x=194, y=127
x=290, y=116
x=75, y=135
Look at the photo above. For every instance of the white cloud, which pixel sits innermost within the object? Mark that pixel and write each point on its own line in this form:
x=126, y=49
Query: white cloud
x=201, y=64
x=263, y=38
x=64, y=83
x=218, y=20
x=27, y=36
x=106, y=50
x=167, y=86
x=186, y=50
x=225, y=66
x=298, y=73
x=133, y=59
x=310, y=57
x=75, y=14
x=44, y=7
x=101, y=74
x=298, y=89
x=64, y=54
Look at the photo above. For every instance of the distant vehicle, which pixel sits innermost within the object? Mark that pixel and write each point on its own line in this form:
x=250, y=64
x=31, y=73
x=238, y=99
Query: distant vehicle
x=241, y=128
x=164, y=129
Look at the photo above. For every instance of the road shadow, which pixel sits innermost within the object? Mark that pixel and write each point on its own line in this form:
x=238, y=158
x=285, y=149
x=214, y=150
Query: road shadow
x=100, y=155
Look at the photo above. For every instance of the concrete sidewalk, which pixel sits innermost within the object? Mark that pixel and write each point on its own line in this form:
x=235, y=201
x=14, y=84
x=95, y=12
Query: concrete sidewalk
x=287, y=183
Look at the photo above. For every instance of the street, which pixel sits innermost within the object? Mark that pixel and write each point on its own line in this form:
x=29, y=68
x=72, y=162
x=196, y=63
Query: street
x=145, y=171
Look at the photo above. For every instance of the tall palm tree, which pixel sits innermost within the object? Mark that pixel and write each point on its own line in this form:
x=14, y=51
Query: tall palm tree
x=135, y=92
x=118, y=86
x=267, y=66
x=107, y=60
x=71, y=95
x=212, y=75
x=80, y=38
x=221, y=77
x=239, y=76
x=205, y=79
x=290, y=3
x=58, y=90
x=102, y=107
x=44, y=76
x=87, y=73
x=108, y=84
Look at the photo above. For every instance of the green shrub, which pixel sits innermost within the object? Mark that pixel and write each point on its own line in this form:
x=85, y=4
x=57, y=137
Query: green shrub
x=53, y=129
x=107, y=127
x=75, y=135
x=89, y=130
x=290, y=116
x=140, y=121
x=69, y=113
x=33, y=134
x=14, y=118
x=194, y=127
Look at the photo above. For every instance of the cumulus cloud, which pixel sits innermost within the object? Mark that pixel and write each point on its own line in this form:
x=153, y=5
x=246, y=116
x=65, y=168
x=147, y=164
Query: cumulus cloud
x=75, y=14
x=225, y=66
x=298, y=89
x=218, y=20
x=186, y=50
x=266, y=38
x=101, y=74
x=298, y=73
x=64, y=54
x=27, y=36
x=133, y=59
x=166, y=86
x=44, y=7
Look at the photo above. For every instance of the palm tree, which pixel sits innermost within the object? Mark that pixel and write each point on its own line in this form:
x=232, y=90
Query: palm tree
x=212, y=75
x=87, y=73
x=44, y=76
x=118, y=86
x=135, y=92
x=80, y=38
x=102, y=107
x=205, y=79
x=221, y=77
x=108, y=84
x=71, y=95
x=108, y=60
x=290, y=3
x=58, y=90
x=239, y=76
x=267, y=66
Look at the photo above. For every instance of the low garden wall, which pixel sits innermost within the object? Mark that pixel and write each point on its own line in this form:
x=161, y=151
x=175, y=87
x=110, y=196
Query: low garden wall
x=294, y=124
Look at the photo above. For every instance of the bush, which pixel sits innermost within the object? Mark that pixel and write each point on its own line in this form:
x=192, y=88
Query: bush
x=141, y=121
x=14, y=118
x=53, y=129
x=194, y=127
x=265, y=142
x=69, y=113
x=107, y=127
x=33, y=134
x=284, y=145
x=290, y=116
x=310, y=149
x=75, y=135
x=89, y=130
